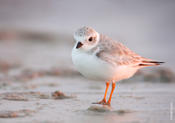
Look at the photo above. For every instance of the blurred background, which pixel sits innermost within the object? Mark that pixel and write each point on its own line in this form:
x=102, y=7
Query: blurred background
x=36, y=39
x=145, y=26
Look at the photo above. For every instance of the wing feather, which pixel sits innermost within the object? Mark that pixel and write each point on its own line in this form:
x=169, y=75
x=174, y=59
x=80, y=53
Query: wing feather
x=116, y=53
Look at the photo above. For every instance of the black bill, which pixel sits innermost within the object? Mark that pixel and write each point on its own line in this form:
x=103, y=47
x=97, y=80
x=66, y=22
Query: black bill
x=79, y=44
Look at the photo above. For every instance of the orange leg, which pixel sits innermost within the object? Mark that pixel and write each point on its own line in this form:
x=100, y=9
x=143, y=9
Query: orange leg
x=103, y=101
x=109, y=100
x=107, y=86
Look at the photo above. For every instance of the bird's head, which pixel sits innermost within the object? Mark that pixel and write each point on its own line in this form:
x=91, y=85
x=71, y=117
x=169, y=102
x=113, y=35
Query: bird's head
x=86, y=38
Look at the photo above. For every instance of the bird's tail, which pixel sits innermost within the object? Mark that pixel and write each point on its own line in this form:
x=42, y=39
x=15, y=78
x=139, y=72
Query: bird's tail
x=150, y=63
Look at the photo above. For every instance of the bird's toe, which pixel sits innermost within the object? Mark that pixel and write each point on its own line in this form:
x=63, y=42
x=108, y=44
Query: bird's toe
x=103, y=102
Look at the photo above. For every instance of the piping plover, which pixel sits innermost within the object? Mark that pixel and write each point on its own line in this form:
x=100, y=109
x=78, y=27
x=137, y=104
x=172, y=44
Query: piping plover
x=98, y=57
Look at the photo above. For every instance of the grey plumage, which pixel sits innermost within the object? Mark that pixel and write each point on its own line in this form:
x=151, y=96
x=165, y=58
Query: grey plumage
x=116, y=53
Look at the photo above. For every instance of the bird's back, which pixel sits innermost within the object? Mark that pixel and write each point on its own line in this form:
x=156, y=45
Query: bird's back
x=116, y=53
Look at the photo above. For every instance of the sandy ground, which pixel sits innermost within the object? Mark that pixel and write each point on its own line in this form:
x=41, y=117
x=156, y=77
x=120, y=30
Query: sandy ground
x=26, y=95
x=132, y=102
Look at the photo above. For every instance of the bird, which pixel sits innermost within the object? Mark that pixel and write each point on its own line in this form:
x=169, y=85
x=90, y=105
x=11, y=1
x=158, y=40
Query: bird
x=98, y=57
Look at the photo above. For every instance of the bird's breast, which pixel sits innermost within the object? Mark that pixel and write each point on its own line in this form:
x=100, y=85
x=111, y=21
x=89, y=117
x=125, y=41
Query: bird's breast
x=90, y=66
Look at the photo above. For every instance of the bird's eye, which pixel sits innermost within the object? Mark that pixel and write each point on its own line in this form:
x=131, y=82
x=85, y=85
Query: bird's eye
x=90, y=39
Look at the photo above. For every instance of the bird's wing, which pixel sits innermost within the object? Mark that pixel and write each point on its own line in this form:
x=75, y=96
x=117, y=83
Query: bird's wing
x=116, y=53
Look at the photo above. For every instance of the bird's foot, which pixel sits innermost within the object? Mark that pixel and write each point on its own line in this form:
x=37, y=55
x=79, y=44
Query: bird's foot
x=102, y=102
x=108, y=104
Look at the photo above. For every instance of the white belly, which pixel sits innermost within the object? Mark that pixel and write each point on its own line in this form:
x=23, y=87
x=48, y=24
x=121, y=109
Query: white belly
x=94, y=68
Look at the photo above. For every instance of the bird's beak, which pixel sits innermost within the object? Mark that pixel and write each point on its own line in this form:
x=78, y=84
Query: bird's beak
x=79, y=44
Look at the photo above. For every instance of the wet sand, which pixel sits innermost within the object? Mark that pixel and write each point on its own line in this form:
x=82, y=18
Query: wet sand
x=132, y=102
